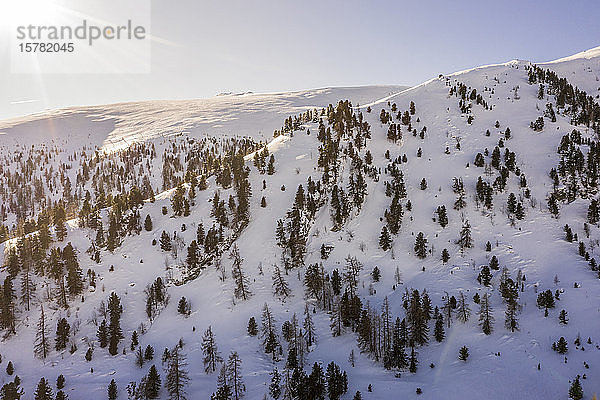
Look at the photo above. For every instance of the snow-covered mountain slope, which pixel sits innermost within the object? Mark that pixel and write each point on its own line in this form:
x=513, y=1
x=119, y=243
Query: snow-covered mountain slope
x=439, y=141
x=117, y=126
x=581, y=69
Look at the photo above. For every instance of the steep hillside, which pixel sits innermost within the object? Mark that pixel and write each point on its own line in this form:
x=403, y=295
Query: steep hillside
x=371, y=233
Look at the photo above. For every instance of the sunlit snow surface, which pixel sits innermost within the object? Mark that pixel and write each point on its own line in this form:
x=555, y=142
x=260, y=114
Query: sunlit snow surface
x=502, y=365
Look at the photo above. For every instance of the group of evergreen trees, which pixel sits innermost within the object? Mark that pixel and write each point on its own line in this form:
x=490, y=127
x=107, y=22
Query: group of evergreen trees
x=292, y=234
x=29, y=259
x=110, y=335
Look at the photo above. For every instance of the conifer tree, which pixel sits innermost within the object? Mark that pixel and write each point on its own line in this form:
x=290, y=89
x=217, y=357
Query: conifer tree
x=102, y=334
x=88, y=354
x=486, y=317
x=479, y=161
x=7, y=305
x=115, y=334
x=393, y=217
x=464, y=310
x=113, y=240
x=553, y=205
x=442, y=216
x=560, y=346
x=268, y=334
x=280, y=286
x=113, y=392
x=520, y=212
x=100, y=241
x=271, y=165
x=420, y=246
x=62, y=334
x=223, y=389
x=27, y=288
x=149, y=353
x=275, y=385
x=56, y=272
x=385, y=241
x=153, y=383
x=242, y=290
x=234, y=376
x=42, y=344
x=177, y=376
x=438, y=332
x=183, y=307
x=313, y=280
x=485, y=276
x=447, y=308
x=562, y=317
x=463, y=353
x=445, y=256
x=494, y=264
x=210, y=351
x=11, y=391
x=465, y=241
x=413, y=362
x=545, y=300
x=460, y=202
x=575, y=391
x=252, y=327
x=148, y=223
x=177, y=201
x=337, y=381
x=511, y=206
x=336, y=318
x=139, y=357
x=60, y=227
x=351, y=273
x=43, y=390
x=309, y=327
x=192, y=256
x=165, y=242
x=510, y=316
x=74, y=272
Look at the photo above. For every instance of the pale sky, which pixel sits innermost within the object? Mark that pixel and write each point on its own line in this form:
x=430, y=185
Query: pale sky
x=207, y=47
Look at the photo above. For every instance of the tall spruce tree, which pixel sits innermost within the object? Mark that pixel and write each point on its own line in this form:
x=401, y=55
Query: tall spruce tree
x=420, y=246
x=43, y=391
x=385, y=241
x=112, y=390
x=465, y=241
x=177, y=376
x=486, y=316
x=234, y=376
x=153, y=383
x=74, y=272
x=280, y=286
x=463, y=309
x=41, y=347
x=242, y=284
x=210, y=351
x=62, y=334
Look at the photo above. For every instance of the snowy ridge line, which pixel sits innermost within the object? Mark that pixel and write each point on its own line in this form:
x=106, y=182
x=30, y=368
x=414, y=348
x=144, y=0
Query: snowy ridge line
x=413, y=88
x=272, y=146
x=383, y=100
x=586, y=54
